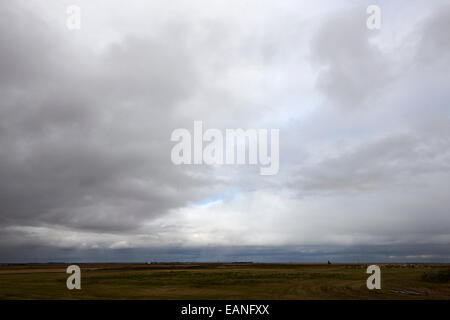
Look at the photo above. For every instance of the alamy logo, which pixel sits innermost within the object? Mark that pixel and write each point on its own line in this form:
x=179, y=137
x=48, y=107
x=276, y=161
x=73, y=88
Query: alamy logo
x=74, y=281
x=232, y=151
x=373, y=22
x=374, y=281
x=73, y=21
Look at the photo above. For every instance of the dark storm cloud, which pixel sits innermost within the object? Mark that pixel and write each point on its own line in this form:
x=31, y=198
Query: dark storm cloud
x=84, y=138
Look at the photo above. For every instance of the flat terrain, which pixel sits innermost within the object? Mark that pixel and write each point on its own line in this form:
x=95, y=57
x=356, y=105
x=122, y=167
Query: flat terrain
x=225, y=281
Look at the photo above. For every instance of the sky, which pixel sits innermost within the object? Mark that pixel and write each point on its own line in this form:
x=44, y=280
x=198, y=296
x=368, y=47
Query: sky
x=86, y=118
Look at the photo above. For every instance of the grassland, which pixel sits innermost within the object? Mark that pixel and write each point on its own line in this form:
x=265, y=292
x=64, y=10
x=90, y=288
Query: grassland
x=225, y=281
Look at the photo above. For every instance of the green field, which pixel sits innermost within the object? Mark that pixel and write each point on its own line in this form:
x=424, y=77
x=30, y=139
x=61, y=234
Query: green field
x=225, y=281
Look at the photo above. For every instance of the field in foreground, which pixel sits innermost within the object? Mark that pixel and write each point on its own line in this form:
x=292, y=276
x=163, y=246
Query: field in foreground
x=225, y=281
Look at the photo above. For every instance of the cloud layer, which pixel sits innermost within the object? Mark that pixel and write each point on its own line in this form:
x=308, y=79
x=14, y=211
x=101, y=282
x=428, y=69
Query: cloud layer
x=86, y=118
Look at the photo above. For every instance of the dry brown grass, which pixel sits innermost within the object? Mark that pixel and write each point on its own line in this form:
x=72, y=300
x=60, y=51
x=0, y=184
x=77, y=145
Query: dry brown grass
x=222, y=281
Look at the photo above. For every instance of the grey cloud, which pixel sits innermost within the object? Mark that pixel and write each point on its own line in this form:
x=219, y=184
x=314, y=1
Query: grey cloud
x=85, y=134
x=352, y=68
x=393, y=160
x=86, y=143
x=434, y=43
x=26, y=47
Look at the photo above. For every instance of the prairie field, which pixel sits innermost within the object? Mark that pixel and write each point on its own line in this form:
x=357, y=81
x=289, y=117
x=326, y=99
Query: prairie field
x=225, y=281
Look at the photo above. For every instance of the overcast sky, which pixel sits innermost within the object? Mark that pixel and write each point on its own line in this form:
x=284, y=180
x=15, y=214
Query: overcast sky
x=86, y=118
